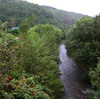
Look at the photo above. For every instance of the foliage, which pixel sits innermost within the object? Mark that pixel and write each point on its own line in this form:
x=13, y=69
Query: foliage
x=95, y=76
x=14, y=11
x=51, y=34
x=14, y=31
x=95, y=81
x=30, y=52
x=12, y=22
x=83, y=43
x=3, y=26
x=64, y=18
x=40, y=59
x=24, y=26
x=8, y=45
x=26, y=87
x=32, y=20
x=0, y=27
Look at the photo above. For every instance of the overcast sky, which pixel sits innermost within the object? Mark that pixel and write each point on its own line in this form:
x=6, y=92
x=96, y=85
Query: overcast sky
x=87, y=7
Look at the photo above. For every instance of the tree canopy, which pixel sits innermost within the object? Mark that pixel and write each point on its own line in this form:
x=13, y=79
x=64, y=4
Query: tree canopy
x=83, y=44
x=14, y=11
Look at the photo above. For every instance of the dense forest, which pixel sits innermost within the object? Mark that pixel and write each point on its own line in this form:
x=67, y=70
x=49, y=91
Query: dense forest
x=28, y=67
x=14, y=11
x=83, y=44
x=29, y=55
x=64, y=17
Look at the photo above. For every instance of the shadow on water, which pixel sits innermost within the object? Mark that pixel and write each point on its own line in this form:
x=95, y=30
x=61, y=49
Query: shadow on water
x=70, y=76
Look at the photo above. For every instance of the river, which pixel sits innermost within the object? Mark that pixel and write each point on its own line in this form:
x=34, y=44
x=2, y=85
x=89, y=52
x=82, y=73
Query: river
x=70, y=76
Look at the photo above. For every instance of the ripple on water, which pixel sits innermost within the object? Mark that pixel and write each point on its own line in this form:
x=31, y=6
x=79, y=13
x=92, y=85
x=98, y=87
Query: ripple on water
x=70, y=76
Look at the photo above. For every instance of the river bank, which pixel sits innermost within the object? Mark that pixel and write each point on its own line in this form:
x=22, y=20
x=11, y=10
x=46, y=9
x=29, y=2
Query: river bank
x=70, y=76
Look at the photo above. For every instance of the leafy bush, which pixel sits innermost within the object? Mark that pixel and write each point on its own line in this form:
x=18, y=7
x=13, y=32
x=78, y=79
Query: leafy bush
x=31, y=53
x=27, y=87
x=36, y=57
x=8, y=46
x=51, y=35
x=14, y=31
x=95, y=81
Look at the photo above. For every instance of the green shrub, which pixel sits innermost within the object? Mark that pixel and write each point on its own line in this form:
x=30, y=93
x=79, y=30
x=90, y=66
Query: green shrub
x=31, y=53
x=27, y=87
x=36, y=57
x=95, y=81
x=8, y=46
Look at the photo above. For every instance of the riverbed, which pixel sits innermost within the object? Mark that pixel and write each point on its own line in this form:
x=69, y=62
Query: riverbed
x=70, y=76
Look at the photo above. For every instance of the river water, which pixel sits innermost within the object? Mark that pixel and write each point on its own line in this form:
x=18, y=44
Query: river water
x=70, y=76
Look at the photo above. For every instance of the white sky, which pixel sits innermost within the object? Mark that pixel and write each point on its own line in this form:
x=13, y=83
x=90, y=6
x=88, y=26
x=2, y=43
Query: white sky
x=87, y=7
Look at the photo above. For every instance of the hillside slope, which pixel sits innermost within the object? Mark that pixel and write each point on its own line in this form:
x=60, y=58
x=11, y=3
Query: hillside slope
x=64, y=17
x=18, y=10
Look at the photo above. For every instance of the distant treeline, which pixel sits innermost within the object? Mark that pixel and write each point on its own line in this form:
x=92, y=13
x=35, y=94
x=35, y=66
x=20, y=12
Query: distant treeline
x=14, y=11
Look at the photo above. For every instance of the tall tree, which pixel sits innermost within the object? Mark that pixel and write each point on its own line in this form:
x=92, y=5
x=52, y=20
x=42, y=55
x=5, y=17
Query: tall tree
x=12, y=22
x=24, y=27
x=32, y=20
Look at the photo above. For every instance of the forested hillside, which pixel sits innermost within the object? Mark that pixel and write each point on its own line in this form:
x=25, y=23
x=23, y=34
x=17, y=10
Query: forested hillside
x=64, y=17
x=14, y=11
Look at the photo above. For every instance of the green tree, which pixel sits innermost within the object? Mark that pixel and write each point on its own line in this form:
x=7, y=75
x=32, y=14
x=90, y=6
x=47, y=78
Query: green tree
x=35, y=56
x=95, y=81
x=12, y=22
x=0, y=26
x=0, y=22
x=82, y=42
x=52, y=35
x=32, y=20
x=8, y=45
x=24, y=26
x=27, y=60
